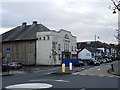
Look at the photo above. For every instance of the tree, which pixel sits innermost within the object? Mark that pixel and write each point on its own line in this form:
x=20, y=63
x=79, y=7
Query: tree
x=116, y=6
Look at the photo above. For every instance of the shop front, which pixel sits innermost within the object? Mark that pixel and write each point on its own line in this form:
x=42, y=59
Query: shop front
x=66, y=55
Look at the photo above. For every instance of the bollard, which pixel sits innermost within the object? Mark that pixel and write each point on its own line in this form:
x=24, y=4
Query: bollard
x=70, y=66
x=63, y=67
x=112, y=68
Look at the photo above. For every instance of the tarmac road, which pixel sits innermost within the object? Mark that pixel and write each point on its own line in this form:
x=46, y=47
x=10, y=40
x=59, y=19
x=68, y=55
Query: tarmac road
x=75, y=80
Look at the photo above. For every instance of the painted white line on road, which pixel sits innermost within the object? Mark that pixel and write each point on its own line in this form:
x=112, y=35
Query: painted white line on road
x=29, y=86
x=101, y=75
x=75, y=73
x=82, y=68
x=91, y=75
x=48, y=80
x=98, y=69
x=110, y=76
x=62, y=81
x=49, y=73
x=42, y=80
x=83, y=74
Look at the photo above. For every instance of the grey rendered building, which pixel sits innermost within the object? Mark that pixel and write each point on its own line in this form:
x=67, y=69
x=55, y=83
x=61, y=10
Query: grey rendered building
x=22, y=43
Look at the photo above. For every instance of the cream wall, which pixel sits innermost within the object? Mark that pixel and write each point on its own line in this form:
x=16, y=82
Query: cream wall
x=82, y=54
x=44, y=47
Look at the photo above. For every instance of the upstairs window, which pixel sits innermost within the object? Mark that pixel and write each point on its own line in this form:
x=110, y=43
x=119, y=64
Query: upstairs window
x=43, y=38
x=39, y=38
x=48, y=38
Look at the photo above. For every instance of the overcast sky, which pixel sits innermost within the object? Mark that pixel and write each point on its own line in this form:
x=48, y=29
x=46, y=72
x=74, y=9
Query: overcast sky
x=84, y=18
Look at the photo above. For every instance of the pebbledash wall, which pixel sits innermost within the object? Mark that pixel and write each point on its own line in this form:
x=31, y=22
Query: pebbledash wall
x=53, y=46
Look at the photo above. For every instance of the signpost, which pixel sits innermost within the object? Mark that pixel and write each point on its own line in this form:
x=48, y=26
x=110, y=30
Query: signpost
x=8, y=56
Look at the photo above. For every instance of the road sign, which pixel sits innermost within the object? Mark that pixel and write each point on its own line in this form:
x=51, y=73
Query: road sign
x=8, y=49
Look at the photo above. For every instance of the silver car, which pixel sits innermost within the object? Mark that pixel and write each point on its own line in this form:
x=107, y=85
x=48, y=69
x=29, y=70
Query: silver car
x=15, y=65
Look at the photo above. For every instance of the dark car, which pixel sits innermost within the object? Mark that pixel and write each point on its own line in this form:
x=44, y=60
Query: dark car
x=93, y=62
x=78, y=64
x=101, y=61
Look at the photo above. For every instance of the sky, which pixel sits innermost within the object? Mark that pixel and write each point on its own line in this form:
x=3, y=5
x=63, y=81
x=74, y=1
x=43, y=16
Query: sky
x=83, y=18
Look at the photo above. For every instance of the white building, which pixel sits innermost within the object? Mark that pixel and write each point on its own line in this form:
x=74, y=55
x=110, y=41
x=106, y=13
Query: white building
x=86, y=53
x=53, y=46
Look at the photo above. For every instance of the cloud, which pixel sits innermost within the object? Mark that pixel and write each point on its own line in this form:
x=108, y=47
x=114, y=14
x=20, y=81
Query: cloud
x=83, y=18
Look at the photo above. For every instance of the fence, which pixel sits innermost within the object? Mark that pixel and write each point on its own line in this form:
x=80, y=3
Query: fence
x=67, y=61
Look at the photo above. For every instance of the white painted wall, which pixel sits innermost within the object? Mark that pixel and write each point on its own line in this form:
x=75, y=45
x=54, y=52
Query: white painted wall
x=84, y=54
x=44, y=47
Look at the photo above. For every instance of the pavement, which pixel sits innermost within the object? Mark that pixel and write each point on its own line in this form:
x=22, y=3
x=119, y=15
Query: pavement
x=29, y=69
x=116, y=68
x=85, y=78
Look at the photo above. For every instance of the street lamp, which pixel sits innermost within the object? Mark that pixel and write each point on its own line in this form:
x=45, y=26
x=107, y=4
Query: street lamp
x=95, y=46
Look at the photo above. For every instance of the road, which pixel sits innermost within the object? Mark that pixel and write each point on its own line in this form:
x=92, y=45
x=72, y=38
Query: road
x=75, y=80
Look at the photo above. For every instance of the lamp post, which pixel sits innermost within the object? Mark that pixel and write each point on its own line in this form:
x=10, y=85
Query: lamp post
x=95, y=46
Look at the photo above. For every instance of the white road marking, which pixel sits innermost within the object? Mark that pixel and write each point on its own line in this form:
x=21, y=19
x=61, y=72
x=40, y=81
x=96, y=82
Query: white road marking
x=48, y=80
x=42, y=80
x=75, y=73
x=98, y=69
x=62, y=81
x=29, y=86
x=83, y=74
x=49, y=73
x=101, y=75
x=83, y=68
x=110, y=76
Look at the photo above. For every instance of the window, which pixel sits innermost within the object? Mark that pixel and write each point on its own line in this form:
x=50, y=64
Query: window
x=48, y=38
x=40, y=38
x=43, y=38
x=72, y=48
x=54, y=45
x=75, y=48
x=59, y=47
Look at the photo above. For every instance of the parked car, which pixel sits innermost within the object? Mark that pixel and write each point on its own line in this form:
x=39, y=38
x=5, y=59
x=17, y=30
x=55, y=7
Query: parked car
x=101, y=61
x=78, y=64
x=15, y=65
x=105, y=61
x=93, y=62
x=110, y=60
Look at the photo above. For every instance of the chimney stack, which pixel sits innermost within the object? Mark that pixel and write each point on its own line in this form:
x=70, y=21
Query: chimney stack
x=24, y=24
x=35, y=23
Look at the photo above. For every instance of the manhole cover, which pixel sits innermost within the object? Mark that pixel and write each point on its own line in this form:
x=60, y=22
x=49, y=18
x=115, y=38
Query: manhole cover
x=29, y=86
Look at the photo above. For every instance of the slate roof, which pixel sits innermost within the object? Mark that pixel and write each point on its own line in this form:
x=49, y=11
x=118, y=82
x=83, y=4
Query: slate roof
x=81, y=45
x=24, y=32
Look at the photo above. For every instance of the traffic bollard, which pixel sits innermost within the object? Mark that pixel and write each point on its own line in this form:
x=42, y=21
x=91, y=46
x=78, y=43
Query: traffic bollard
x=70, y=66
x=63, y=67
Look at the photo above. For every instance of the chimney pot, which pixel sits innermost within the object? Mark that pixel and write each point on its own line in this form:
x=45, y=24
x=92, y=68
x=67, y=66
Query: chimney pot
x=35, y=22
x=24, y=24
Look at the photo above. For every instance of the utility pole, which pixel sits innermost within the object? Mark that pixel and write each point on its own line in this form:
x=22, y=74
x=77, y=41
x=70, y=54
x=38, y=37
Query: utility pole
x=95, y=46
